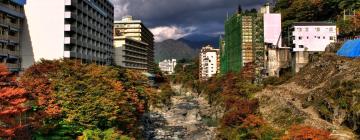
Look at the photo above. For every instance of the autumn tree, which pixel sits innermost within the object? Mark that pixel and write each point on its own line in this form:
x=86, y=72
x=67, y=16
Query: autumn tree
x=12, y=106
x=298, y=132
x=70, y=97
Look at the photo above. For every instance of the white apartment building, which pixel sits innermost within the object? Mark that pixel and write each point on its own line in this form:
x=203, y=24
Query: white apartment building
x=209, y=62
x=310, y=38
x=313, y=36
x=70, y=29
x=168, y=66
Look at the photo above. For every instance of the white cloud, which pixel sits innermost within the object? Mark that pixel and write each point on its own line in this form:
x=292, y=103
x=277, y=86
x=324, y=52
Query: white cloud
x=121, y=9
x=170, y=32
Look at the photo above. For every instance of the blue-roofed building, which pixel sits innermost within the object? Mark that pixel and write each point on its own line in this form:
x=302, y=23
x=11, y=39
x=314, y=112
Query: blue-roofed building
x=351, y=49
x=11, y=21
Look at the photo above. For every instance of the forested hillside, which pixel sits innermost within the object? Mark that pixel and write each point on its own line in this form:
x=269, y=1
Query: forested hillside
x=321, y=10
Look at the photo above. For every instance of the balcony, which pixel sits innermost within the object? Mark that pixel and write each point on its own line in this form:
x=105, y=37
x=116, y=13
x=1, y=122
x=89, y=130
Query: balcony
x=14, y=39
x=9, y=52
x=15, y=25
x=17, y=9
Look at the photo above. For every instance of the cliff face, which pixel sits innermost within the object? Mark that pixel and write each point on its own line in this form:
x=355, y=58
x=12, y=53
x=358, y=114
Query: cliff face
x=324, y=94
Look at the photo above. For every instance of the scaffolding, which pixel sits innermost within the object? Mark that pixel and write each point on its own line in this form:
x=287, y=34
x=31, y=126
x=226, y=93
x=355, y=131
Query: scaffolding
x=243, y=43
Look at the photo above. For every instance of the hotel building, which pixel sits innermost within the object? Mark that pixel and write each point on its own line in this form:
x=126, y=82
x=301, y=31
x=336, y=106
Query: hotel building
x=11, y=18
x=68, y=29
x=130, y=30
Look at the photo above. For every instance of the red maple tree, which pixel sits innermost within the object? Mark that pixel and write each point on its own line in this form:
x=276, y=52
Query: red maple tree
x=12, y=105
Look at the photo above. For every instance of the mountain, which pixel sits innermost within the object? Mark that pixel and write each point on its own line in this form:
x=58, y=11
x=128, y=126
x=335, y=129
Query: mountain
x=187, y=47
x=176, y=49
x=196, y=41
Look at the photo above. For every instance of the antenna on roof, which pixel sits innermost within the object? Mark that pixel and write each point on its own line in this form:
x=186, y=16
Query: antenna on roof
x=227, y=15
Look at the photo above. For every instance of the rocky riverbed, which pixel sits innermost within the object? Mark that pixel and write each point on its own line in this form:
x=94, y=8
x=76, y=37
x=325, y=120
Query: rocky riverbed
x=184, y=119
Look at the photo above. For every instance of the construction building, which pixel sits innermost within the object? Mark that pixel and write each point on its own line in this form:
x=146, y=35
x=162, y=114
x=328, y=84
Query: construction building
x=209, y=64
x=127, y=28
x=68, y=29
x=310, y=38
x=244, y=43
x=11, y=19
x=168, y=66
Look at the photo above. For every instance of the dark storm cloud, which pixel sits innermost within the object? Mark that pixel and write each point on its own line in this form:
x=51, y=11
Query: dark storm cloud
x=206, y=15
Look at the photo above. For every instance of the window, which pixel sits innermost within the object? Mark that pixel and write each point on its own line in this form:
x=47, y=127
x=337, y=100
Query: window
x=300, y=37
x=307, y=37
x=299, y=29
x=317, y=29
x=301, y=46
x=331, y=38
x=323, y=37
x=306, y=29
x=331, y=29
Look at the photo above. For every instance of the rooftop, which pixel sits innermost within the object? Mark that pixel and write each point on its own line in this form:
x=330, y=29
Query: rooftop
x=314, y=24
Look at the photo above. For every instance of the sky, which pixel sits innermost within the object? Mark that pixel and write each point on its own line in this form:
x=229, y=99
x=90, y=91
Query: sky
x=173, y=19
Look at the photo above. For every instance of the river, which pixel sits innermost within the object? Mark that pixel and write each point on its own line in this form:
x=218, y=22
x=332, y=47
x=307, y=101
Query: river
x=184, y=119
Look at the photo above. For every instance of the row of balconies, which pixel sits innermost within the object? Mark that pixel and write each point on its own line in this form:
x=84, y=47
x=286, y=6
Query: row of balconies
x=80, y=7
x=17, y=8
x=7, y=51
x=137, y=49
x=136, y=56
x=142, y=48
x=73, y=54
x=86, y=29
x=137, y=62
x=14, y=39
x=85, y=44
x=137, y=52
x=9, y=24
x=93, y=36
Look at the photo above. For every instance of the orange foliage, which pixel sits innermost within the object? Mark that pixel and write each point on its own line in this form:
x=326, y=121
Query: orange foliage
x=298, y=132
x=12, y=104
x=252, y=121
x=238, y=110
x=36, y=81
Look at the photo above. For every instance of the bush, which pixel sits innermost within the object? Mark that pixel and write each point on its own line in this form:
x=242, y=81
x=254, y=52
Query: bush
x=306, y=133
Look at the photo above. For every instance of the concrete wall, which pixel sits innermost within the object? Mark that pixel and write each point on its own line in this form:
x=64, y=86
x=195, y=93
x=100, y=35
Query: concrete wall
x=277, y=59
x=119, y=52
x=299, y=60
x=43, y=31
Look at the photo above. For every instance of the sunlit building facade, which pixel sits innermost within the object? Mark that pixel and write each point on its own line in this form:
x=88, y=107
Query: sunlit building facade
x=68, y=29
x=128, y=28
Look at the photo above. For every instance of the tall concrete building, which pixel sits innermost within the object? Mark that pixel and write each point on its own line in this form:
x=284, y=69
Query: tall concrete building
x=11, y=18
x=126, y=29
x=68, y=29
x=209, y=64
